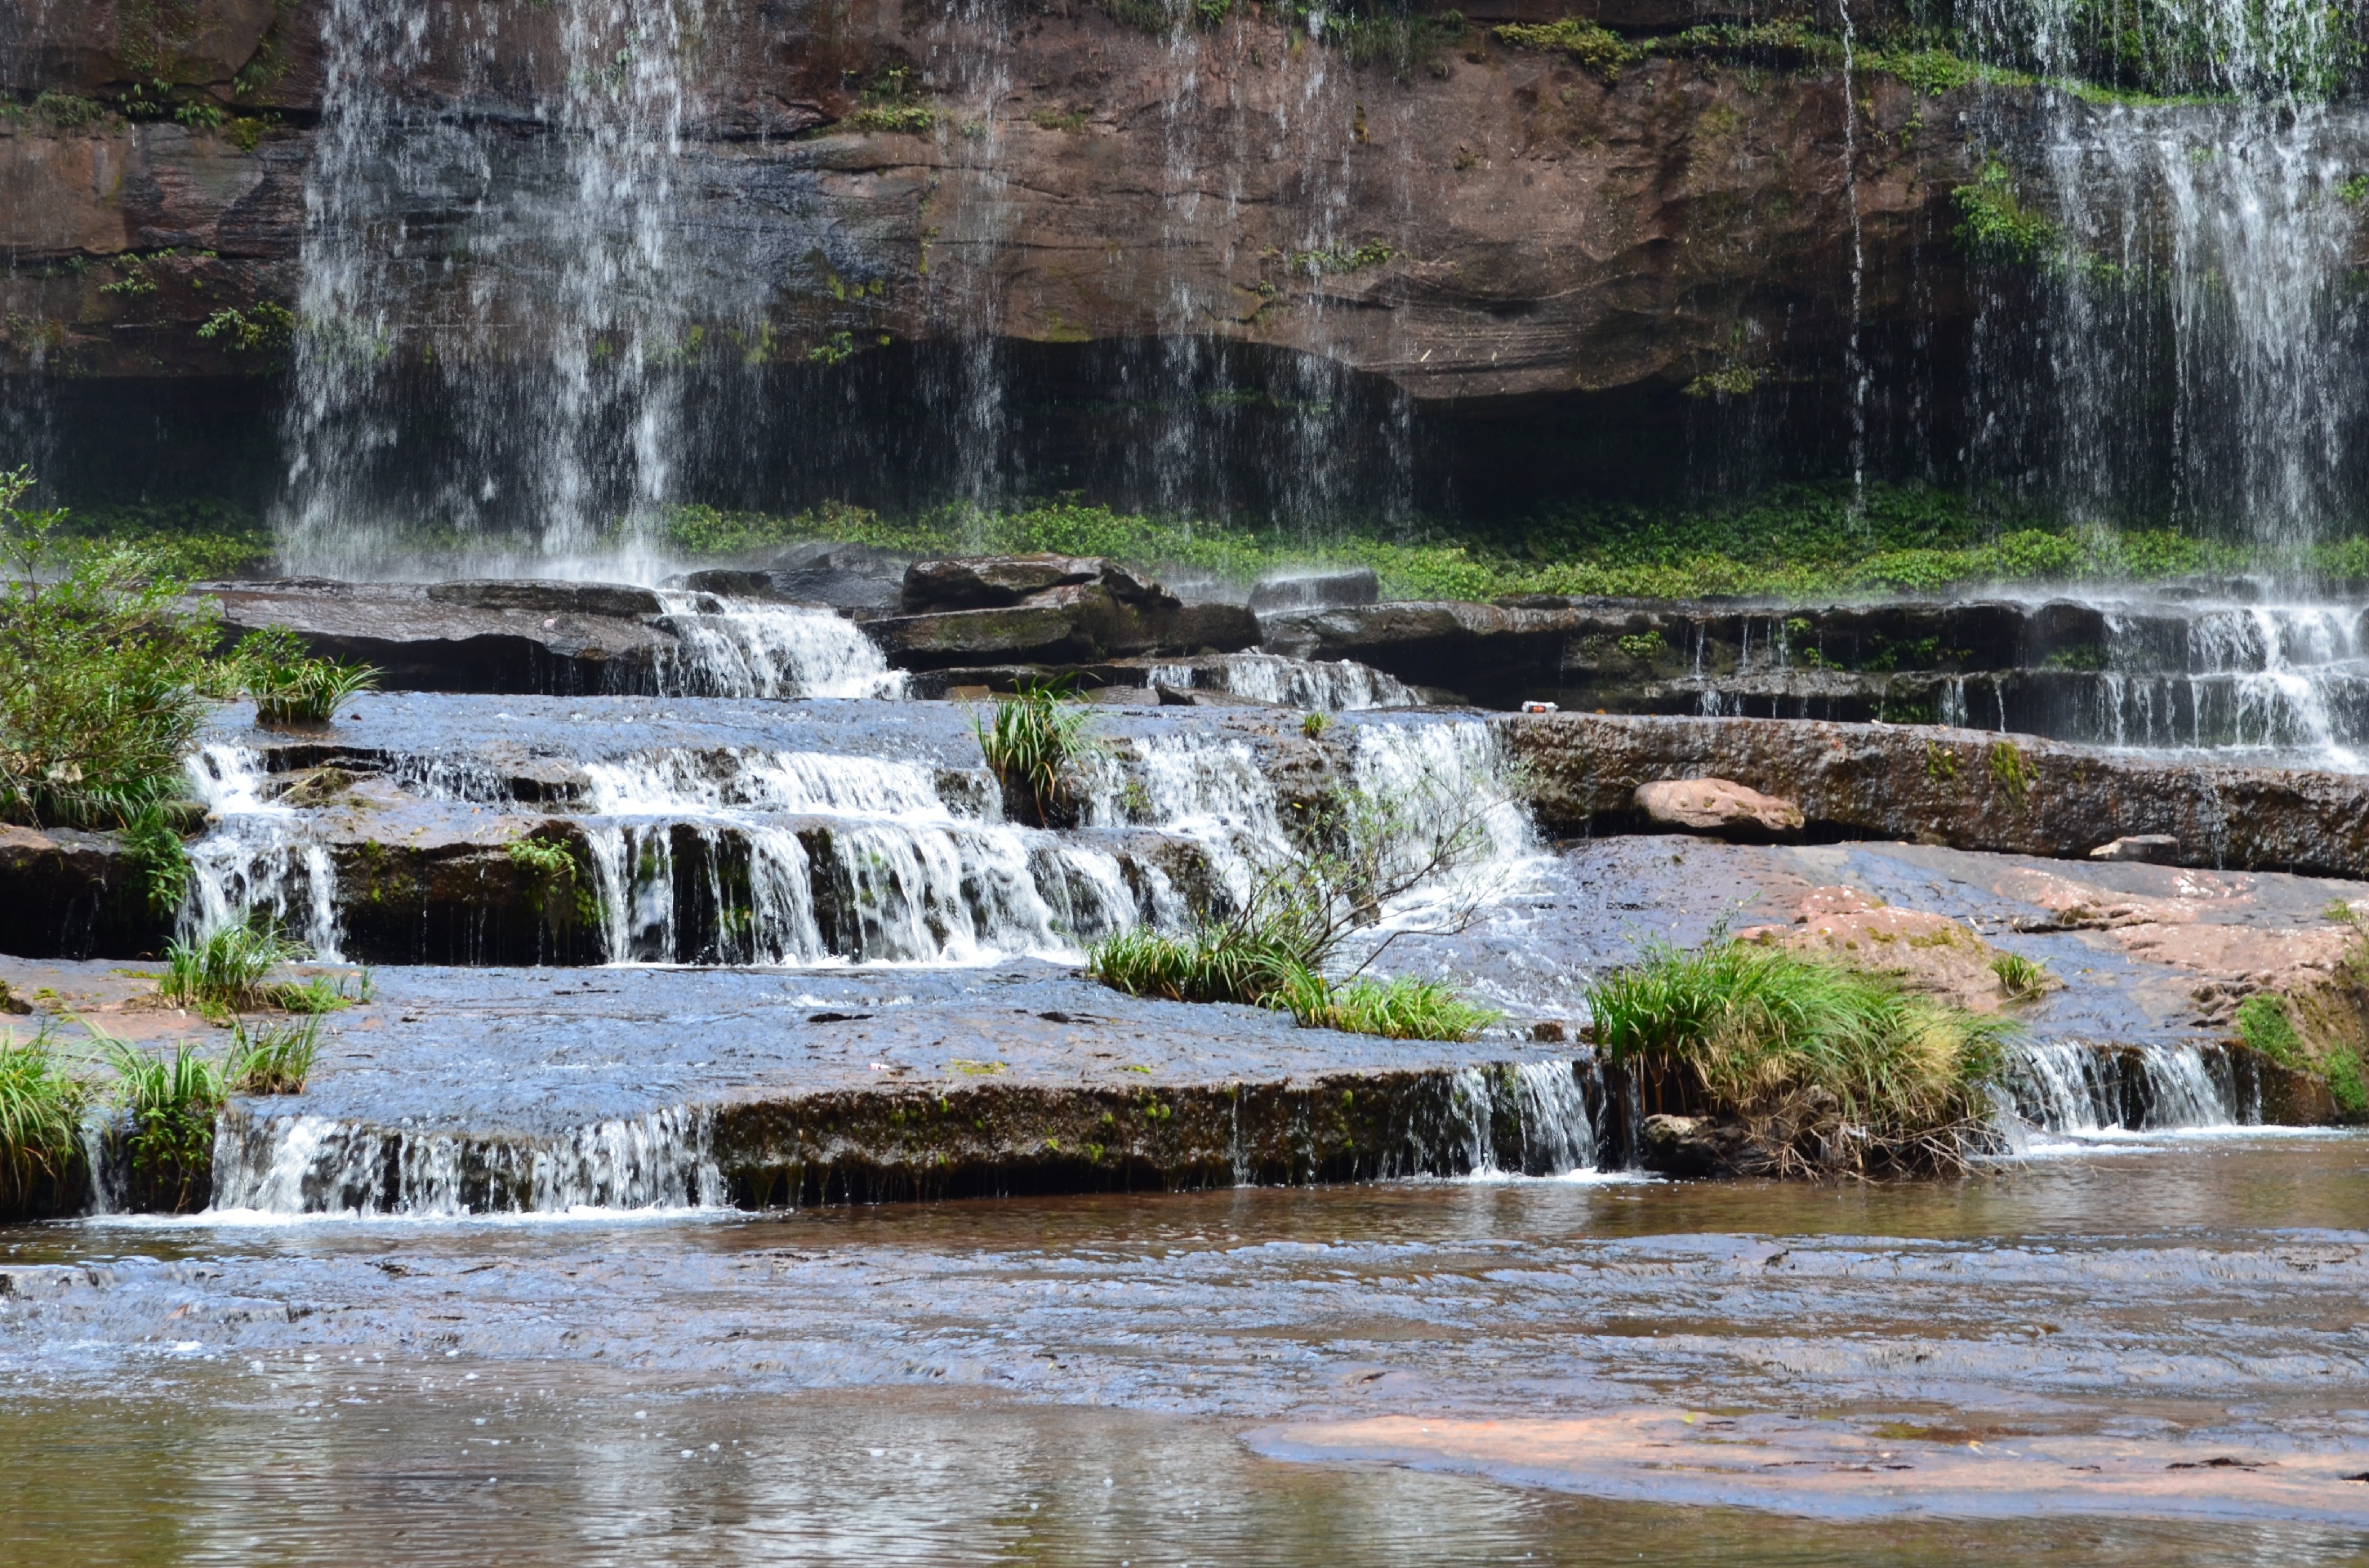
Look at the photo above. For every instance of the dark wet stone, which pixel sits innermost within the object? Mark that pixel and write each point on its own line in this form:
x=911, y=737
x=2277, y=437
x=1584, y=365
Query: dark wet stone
x=1316, y=590
x=73, y=895
x=564, y=637
x=1694, y=1146
x=993, y=582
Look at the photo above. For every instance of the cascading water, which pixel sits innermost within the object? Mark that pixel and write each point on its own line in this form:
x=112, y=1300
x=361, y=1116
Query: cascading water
x=1312, y=685
x=2074, y=1087
x=2283, y=679
x=521, y=265
x=253, y=863
x=735, y=648
x=2189, y=295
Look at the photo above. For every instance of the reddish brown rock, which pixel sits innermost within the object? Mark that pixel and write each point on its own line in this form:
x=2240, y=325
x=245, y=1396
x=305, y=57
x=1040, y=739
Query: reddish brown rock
x=1717, y=806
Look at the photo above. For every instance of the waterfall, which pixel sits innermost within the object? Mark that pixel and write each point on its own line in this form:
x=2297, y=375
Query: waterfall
x=2072, y=1086
x=1543, y=1104
x=307, y=1165
x=1310, y=685
x=734, y=648
x=512, y=261
x=2280, y=678
x=253, y=860
x=2191, y=308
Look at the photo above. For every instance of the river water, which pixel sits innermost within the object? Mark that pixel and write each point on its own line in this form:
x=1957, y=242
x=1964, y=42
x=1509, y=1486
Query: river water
x=1104, y=1379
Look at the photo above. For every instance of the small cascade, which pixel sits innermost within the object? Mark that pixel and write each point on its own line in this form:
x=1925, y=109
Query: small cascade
x=304, y=1164
x=739, y=649
x=1533, y=1119
x=2280, y=678
x=253, y=861
x=1309, y=685
x=2071, y=1086
x=751, y=857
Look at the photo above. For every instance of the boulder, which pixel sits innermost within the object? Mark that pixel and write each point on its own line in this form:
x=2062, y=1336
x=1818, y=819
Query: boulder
x=1718, y=805
x=1047, y=610
x=65, y=894
x=993, y=582
x=1316, y=590
x=1926, y=951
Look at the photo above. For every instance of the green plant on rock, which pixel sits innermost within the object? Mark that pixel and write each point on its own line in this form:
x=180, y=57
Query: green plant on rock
x=154, y=848
x=1349, y=858
x=1031, y=743
x=171, y=1104
x=263, y=327
x=2014, y=773
x=2023, y=978
x=1831, y=1068
x=291, y=686
x=2265, y=1024
x=103, y=674
x=1993, y=223
x=271, y=1059
x=226, y=971
x=1593, y=46
x=41, y=1120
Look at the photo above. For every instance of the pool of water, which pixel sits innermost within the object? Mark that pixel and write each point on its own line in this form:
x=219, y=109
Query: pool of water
x=1072, y=1380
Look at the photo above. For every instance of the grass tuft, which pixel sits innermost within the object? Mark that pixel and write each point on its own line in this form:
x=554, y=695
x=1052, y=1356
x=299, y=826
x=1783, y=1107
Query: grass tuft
x=171, y=1104
x=1830, y=1069
x=41, y=1121
x=272, y=1058
x=225, y=972
x=1404, y=1007
x=2022, y=977
x=291, y=686
x=1030, y=742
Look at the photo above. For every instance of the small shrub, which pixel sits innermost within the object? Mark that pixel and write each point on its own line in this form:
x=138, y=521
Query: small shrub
x=103, y=674
x=1590, y=46
x=1029, y=744
x=2021, y=977
x=171, y=1104
x=41, y=1121
x=1995, y=224
x=1313, y=726
x=291, y=686
x=2012, y=770
x=900, y=120
x=1829, y=1067
x=153, y=845
x=272, y=1058
x=223, y=972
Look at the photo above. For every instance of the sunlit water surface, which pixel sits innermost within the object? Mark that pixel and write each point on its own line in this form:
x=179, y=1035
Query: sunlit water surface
x=1068, y=1380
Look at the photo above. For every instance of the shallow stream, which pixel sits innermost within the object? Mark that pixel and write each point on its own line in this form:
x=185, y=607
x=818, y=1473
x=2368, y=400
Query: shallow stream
x=1070, y=1381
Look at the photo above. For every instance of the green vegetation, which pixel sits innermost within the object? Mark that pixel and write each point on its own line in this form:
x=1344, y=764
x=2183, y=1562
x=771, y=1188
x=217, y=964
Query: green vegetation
x=1788, y=541
x=171, y=1104
x=271, y=1059
x=41, y=1120
x=1830, y=1069
x=1591, y=46
x=2264, y=1024
x=103, y=676
x=900, y=120
x=1996, y=225
x=1348, y=857
x=265, y=328
x=291, y=686
x=1373, y=253
x=2023, y=978
x=226, y=972
x=191, y=540
x=1313, y=726
x=1030, y=745
x=151, y=844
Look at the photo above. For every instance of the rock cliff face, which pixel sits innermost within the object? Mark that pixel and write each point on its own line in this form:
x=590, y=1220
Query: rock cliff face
x=1484, y=222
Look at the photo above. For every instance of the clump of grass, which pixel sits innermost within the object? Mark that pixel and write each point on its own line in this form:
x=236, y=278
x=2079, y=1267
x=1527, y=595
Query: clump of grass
x=272, y=1058
x=1403, y=1008
x=1830, y=1069
x=291, y=686
x=1313, y=726
x=152, y=846
x=41, y=1121
x=1029, y=744
x=171, y=1104
x=2264, y=1024
x=224, y=972
x=1213, y=964
x=2021, y=977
